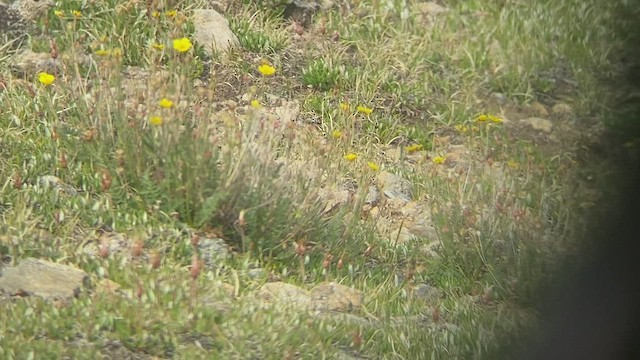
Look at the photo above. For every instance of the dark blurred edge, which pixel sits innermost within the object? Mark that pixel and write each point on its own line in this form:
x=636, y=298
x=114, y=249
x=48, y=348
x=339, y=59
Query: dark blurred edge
x=593, y=311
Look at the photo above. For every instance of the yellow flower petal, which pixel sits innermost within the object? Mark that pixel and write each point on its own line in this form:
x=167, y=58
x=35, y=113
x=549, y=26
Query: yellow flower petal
x=462, y=128
x=156, y=120
x=373, y=166
x=182, y=45
x=413, y=148
x=171, y=13
x=482, y=118
x=344, y=106
x=495, y=119
x=256, y=104
x=365, y=110
x=101, y=52
x=336, y=134
x=58, y=13
x=158, y=46
x=350, y=157
x=438, y=160
x=76, y=13
x=165, y=103
x=46, y=78
x=266, y=70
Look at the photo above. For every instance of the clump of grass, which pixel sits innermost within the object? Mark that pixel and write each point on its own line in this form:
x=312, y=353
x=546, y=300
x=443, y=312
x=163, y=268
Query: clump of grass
x=259, y=34
x=320, y=75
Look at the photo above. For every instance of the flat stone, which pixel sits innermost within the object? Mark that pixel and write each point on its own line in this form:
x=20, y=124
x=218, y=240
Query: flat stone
x=212, y=31
x=44, y=279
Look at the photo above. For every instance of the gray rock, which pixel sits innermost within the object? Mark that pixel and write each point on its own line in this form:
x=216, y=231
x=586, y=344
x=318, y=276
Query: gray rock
x=44, y=279
x=17, y=17
x=212, y=31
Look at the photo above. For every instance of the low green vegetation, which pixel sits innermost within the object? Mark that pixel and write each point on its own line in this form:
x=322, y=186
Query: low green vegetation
x=248, y=154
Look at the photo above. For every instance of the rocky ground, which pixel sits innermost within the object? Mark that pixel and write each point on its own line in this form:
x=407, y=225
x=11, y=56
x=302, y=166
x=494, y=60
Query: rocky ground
x=505, y=172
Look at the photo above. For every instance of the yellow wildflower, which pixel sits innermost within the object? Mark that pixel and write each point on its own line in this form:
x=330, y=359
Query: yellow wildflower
x=182, y=45
x=46, y=78
x=156, y=120
x=155, y=14
x=373, y=166
x=350, y=157
x=158, y=46
x=438, y=160
x=171, y=13
x=266, y=70
x=58, y=13
x=413, y=148
x=166, y=103
x=102, y=52
x=76, y=13
x=482, y=118
x=365, y=110
x=336, y=134
x=256, y=104
x=485, y=118
x=344, y=106
x=495, y=119
x=116, y=52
